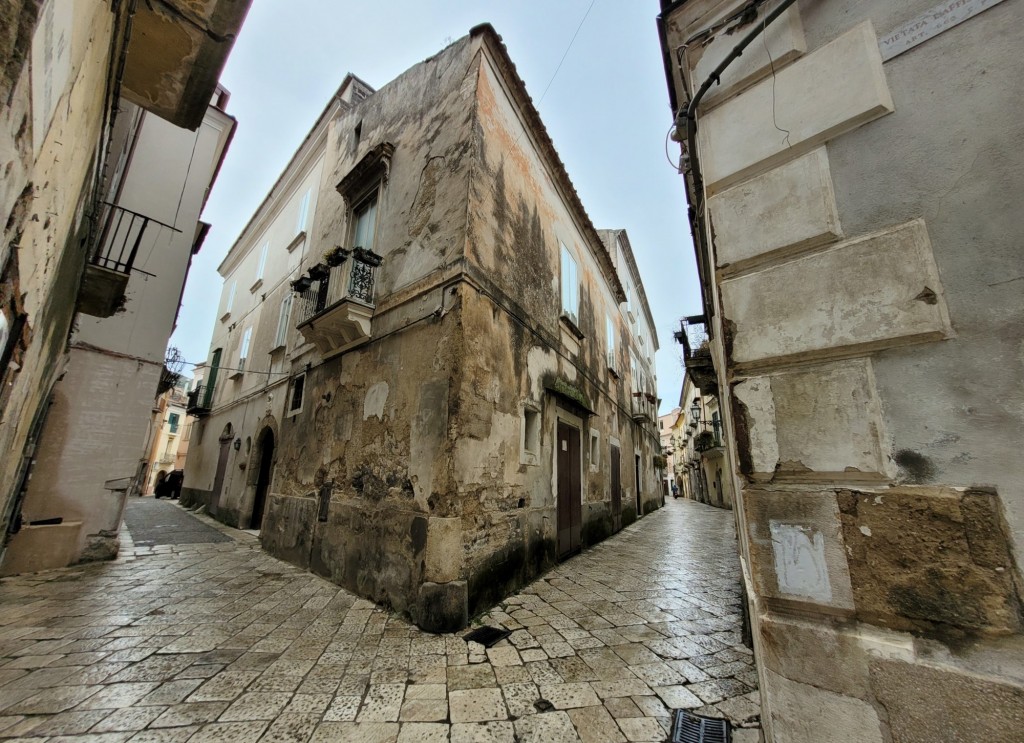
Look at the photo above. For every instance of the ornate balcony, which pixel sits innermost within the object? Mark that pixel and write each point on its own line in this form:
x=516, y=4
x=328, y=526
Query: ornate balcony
x=336, y=302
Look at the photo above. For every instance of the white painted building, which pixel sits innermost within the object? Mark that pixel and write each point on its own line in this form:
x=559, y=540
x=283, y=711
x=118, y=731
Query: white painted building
x=89, y=454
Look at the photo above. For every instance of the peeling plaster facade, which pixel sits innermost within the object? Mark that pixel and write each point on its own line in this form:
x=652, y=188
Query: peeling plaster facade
x=862, y=264
x=60, y=63
x=420, y=466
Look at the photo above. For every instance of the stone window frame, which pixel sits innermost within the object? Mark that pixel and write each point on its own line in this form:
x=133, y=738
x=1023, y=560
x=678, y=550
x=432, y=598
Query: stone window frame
x=291, y=411
x=366, y=179
x=531, y=427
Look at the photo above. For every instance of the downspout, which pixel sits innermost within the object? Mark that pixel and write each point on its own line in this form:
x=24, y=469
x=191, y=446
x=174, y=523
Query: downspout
x=698, y=224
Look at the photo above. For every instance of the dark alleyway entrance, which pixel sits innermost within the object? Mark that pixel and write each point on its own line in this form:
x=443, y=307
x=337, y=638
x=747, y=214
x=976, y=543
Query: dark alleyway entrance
x=219, y=641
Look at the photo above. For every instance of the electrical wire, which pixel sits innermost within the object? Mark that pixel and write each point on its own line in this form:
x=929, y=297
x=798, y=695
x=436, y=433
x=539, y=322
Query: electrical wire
x=566, y=53
x=746, y=12
x=668, y=156
x=771, y=62
x=435, y=314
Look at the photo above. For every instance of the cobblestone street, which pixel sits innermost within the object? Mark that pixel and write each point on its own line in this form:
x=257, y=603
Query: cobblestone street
x=213, y=641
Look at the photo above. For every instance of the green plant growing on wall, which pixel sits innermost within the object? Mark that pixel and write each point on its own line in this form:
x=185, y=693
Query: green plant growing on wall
x=705, y=440
x=660, y=462
x=568, y=389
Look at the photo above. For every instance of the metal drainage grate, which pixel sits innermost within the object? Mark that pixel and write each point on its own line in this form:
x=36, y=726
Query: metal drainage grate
x=691, y=728
x=487, y=636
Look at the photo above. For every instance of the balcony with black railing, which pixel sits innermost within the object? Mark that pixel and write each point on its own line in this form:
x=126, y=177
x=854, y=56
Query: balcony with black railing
x=336, y=300
x=200, y=401
x=696, y=341
x=119, y=236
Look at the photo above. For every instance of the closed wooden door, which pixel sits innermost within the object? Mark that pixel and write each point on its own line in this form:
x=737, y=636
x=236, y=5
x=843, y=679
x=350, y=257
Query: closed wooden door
x=263, y=480
x=616, y=489
x=218, y=478
x=570, y=507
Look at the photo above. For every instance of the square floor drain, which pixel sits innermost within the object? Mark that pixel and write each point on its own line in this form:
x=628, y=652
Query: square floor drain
x=690, y=728
x=487, y=636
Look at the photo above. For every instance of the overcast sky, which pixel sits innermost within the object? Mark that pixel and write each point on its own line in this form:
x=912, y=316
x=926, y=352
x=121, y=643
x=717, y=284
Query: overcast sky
x=607, y=111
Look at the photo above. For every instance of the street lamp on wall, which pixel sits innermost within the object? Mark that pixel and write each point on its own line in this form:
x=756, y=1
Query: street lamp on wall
x=695, y=412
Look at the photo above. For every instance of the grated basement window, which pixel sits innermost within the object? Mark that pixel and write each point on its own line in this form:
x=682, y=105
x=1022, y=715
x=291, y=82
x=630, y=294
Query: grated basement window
x=690, y=728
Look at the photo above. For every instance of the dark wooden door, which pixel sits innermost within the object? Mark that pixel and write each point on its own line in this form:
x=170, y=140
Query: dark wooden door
x=616, y=489
x=263, y=481
x=570, y=506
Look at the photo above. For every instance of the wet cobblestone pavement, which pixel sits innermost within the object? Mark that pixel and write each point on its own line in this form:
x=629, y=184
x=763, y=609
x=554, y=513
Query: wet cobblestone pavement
x=151, y=522
x=221, y=642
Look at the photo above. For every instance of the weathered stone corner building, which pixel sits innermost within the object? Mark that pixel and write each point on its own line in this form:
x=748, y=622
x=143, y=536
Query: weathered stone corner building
x=854, y=180
x=431, y=377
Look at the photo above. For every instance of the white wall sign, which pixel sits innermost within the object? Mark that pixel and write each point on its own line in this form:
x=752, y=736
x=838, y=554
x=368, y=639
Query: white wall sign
x=800, y=566
x=931, y=23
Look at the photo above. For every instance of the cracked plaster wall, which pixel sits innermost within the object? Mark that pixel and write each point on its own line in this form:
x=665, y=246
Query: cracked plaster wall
x=43, y=197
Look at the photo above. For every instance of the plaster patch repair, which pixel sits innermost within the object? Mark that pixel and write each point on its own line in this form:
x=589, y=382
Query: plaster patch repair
x=800, y=561
x=373, y=403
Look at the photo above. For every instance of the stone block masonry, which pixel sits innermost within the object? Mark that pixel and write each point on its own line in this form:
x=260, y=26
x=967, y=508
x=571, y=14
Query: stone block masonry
x=858, y=236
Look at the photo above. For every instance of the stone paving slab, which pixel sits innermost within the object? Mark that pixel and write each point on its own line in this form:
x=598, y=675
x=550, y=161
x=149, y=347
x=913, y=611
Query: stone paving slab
x=182, y=640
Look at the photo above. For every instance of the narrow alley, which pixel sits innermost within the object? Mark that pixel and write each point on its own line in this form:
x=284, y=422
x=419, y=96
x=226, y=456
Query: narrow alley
x=211, y=639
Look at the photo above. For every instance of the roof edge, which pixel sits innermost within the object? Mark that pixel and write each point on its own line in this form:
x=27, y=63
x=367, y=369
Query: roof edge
x=319, y=126
x=525, y=104
x=633, y=269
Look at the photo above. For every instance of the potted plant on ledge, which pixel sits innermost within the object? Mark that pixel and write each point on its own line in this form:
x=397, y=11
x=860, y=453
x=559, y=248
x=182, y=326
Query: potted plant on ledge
x=335, y=256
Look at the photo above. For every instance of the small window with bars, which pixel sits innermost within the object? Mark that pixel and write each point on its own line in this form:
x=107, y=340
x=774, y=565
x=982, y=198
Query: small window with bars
x=296, y=392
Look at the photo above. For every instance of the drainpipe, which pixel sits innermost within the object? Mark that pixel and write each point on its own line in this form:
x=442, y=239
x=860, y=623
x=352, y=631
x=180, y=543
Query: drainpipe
x=698, y=225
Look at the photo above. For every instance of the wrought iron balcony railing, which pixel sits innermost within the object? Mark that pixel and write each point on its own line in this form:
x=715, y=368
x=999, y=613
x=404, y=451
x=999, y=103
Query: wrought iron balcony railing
x=336, y=299
x=324, y=285
x=200, y=400
x=645, y=407
x=119, y=235
x=696, y=342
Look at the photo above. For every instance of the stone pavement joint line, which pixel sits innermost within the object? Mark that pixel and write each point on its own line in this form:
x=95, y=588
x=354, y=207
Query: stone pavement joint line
x=218, y=641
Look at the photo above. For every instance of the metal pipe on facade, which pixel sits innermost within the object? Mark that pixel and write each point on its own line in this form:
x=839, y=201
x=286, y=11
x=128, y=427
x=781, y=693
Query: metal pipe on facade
x=698, y=226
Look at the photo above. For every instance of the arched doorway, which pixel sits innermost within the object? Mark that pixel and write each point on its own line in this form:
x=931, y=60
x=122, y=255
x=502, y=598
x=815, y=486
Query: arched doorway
x=259, y=503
